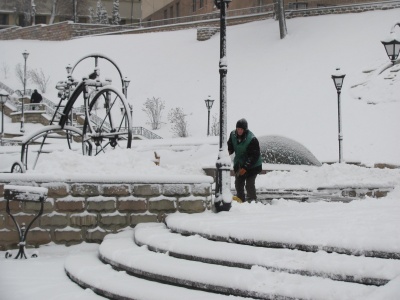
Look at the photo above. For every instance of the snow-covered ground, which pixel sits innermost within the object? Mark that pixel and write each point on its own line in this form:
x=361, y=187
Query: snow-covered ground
x=282, y=87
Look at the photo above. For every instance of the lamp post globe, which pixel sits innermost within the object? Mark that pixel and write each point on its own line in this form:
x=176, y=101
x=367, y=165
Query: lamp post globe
x=209, y=103
x=69, y=69
x=392, y=47
x=3, y=99
x=25, y=54
x=392, y=44
x=338, y=78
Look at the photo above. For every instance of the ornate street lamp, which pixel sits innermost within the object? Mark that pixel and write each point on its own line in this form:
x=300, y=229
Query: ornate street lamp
x=392, y=45
x=3, y=100
x=69, y=69
x=338, y=78
x=25, y=54
x=126, y=84
x=223, y=195
x=209, y=104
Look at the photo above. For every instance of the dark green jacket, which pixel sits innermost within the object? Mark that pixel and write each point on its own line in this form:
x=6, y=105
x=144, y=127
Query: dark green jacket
x=247, y=152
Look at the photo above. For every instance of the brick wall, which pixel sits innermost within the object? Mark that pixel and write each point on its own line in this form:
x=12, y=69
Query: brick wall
x=78, y=211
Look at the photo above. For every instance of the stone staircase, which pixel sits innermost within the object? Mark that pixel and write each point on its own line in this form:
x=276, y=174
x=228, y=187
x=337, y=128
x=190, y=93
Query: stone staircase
x=154, y=261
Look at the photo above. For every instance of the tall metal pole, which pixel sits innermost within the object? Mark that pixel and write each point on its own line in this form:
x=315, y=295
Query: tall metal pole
x=340, y=136
x=2, y=122
x=208, y=123
x=338, y=78
x=223, y=195
x=25, y=54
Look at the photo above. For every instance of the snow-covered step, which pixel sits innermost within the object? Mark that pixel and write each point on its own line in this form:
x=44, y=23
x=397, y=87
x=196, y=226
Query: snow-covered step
x=259, y=283
x=89, y=272
x=361, y=228
x=367, y=270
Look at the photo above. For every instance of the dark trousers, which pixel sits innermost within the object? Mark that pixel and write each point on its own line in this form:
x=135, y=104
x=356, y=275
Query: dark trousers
x=250, y=183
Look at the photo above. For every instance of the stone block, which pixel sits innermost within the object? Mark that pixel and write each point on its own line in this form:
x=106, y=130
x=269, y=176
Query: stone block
x=96, y=235
x=83, y=220
x=84, y=190
x=132, y=204
x=35, y=206
x=101, y=204
x=202, y=189
x=162, y=204
x=143, y=190
x=54, y=220
x=37, y=236
x=380, y=194
x=142, y=218
x=176, y=190
x=70, y=204
x=349, y=193
x=15, y=206
x=21, y=218
x=116, y=190
x=192, y=206
x=115, y=220
x=56, y=190
x=68, y=236
x=9, y=236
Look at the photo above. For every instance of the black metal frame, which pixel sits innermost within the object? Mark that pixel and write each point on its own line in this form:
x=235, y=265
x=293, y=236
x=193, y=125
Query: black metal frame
x=22, y=231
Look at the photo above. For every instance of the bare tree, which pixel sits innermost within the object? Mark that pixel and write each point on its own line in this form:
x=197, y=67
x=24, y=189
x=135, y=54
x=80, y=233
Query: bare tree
x=69, y=8
x=214, y=126
x=23, y=7
x=38, y=78
x=153, y=108
x=5, y=69
x=177, y=117
x=19, y=72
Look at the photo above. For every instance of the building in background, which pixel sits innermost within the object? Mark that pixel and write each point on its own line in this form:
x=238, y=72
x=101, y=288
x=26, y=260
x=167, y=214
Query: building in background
x=21, y=12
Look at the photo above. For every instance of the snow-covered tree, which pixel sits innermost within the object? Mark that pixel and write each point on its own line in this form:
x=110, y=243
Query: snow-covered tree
x=153, y=109
x=101, y=14
x=92, y=16
x=177, y=118
x=116, y=18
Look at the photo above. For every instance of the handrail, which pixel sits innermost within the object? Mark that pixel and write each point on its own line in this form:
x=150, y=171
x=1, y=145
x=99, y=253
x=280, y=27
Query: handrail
x=146, y=133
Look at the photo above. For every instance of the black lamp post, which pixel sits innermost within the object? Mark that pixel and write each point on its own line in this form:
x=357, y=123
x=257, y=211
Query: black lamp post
x=392, y=45
x=223, y=195
x=3, y=100
x=25, y=54
x=209, y=104
x=338, y=78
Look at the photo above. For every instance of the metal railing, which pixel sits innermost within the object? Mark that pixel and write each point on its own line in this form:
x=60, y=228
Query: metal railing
x=146, y=133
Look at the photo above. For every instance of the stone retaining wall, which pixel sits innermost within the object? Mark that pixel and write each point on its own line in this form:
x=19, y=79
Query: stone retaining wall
x=87, y=210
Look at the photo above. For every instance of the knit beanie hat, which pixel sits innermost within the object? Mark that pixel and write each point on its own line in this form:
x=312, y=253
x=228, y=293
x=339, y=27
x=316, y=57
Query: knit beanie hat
x=242, y=123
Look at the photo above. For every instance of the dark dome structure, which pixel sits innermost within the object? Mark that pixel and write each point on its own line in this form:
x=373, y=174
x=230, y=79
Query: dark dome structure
x=282, y=150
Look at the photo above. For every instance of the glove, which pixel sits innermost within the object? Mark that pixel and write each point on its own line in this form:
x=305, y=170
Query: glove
x=242, y=172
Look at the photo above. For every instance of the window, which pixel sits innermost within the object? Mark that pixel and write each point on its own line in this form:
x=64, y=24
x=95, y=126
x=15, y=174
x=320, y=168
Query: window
x=3, y=19
x=165, y=14
x=40, y=20
x=298, y=5
x=194, y=5
x=201, y=3
x=171, y=12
